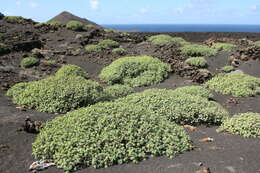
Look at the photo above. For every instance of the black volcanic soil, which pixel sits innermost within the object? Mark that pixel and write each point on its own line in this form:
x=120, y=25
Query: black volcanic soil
x=226, y=154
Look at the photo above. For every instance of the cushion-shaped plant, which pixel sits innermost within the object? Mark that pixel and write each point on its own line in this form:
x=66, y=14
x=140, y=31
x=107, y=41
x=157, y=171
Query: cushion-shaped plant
x=29, y=62
x=55, y=23
x=106, y=134
x=75, y=25
x=224, y=46
x=116, y=91
x=93, y=48
x=195, y=90
x=163, y=39
x=227, y=68
x=135, y=71
x=119, y=51
x=197, y=61
x=239, y=85
x=183, y=106
x=197, y=50
x=108, y=44
x=65, y=91
x=71, y=70
x=245, y=124
x=14, y=19
x=257, y=43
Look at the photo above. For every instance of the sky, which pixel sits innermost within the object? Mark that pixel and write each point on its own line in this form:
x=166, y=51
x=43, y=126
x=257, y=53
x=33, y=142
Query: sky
x=140, y=11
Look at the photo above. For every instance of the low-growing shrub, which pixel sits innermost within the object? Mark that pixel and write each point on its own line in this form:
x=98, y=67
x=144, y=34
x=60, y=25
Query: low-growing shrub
x=105, y=44
x=88, y=27
x=197, y=50
x=109, y=30
x=93, y=48
x=182, y=106
x=3, y=48
x=106, y=134
x=224, y=46
x=116, y=91
x=135, y=71
x=197, y=61
x=119, y=51
x=239, y=85
x=164, y=39
x=55, y=23
x=29, y=62
x=245, y=124
x=195, y=90
x=75, y=25
x=227, y=68
x=65, y=91
x=14, y=19
x=257, y=43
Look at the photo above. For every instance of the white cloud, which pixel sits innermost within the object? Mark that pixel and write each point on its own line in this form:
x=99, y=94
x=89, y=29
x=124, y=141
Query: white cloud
x=94, y=4
x=33, y=4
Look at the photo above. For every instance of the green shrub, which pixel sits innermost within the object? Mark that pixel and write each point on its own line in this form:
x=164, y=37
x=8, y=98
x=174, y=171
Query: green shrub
x=75, y=25
x=93, y=48
x=71, y=70
x=119, y=51
x=227, y=68
x=116, y=91
x=197, y=50
x=164, y=39
x=224, y=46
x=55, y=23
x=88, y=27
x=106, y=134
x=135, y=71
x=105, y=44
x=257, y=43
x=14, y=19
x=245, y=124
x=239, y=85
x=29, y=62
x=195, y=90
x=65, y=91
x=197, y=61
x=182, y=106
x=109, y=30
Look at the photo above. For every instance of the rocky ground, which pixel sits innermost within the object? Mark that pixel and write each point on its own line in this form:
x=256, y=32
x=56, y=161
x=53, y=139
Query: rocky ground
x=56, y=46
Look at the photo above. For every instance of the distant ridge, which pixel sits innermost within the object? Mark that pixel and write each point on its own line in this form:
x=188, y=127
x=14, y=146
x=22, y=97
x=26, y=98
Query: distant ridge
x=65, y=17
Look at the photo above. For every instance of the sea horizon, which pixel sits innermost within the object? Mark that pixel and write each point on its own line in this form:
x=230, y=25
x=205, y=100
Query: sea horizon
x=185, y=27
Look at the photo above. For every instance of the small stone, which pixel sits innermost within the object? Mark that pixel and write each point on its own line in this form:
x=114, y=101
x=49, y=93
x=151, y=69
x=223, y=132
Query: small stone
x=203, y=170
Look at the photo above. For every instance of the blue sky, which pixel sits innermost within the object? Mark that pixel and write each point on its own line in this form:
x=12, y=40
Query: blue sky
x=140, y=11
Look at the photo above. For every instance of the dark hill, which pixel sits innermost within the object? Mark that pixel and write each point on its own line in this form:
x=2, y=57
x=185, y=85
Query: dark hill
x=65, y=17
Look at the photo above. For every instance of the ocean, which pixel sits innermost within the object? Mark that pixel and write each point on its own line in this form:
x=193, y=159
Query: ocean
x=184, y=28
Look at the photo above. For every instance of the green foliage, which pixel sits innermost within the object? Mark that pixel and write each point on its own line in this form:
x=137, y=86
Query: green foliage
x=71, y=70
x=227, y=68
x=197, y=61
x=182, y=106
x=164, y=39
x=13, y=19
x=105, y=44
x=106, y=134
x=239, y=85
x=245, y=124
x=135, y=71
x=75, y=25
x=119, y=51
x=29, y=62
x=88, y=27
x=93, y=48
x=65, y=91
x=56, y=23
x=197, y=50
x=257, y=43
x=116, y=91
x=195, y=90
x=224, y=46
x=109, y=30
